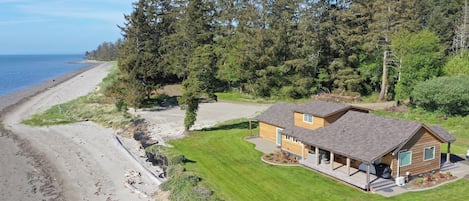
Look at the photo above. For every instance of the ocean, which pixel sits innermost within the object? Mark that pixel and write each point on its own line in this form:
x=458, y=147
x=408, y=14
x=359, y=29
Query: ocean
x=18, y=72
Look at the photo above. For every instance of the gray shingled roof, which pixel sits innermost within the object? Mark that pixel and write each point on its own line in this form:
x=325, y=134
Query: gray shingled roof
x=442, y=133
x=357, y=135
x=321, y=108
x=280, y=114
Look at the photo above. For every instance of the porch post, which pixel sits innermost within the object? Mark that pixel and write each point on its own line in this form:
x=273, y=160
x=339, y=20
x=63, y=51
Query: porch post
x=332, y=160
x=368, y=177
x=448, y=153
x=302, y=151
x=317, y=156
x=250, y=127
x=348, y=166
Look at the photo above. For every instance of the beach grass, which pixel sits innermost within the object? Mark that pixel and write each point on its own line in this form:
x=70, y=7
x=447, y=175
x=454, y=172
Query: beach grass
x=231, y=167
x=94, y=107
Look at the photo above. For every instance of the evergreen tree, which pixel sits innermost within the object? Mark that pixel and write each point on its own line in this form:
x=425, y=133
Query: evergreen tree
x=140, y=60
x=199, y=83
x=192, y=56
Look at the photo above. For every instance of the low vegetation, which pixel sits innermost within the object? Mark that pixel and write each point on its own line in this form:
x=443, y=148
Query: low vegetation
x=231, y=167
x=181, y=184
x=94, y=107
x=449, y=95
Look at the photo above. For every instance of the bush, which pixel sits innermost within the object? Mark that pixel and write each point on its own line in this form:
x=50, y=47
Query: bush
x=449, y=95
x=185, y=185
x=121, y=106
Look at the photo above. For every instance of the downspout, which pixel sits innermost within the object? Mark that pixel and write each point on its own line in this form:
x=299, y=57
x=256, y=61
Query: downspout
x=398, y=165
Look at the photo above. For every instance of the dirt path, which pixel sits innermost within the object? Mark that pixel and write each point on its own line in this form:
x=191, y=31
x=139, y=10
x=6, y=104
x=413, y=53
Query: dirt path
x=376, y=106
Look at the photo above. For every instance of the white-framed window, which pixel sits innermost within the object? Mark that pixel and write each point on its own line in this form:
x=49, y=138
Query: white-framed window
x=405, y=158
x=279, y=136
x=308, y=118
x=429, y=153
x=278, y=131
x=295, y=140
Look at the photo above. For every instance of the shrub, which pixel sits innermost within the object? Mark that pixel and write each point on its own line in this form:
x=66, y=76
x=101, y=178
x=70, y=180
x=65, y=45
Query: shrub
x=449, y=95
x=185, y=185
x=121, y=106
x=449, y=174
x=420, y=180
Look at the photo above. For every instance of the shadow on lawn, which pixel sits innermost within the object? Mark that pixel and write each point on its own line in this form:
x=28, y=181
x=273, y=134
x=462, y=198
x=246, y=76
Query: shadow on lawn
x=236, y=125
x=186, y=160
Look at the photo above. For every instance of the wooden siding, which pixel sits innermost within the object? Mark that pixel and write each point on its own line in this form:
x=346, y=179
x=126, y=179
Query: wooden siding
x=268, y=132
x=417, y=144
x=291, y=146
x=387, y=159
x=317, y=122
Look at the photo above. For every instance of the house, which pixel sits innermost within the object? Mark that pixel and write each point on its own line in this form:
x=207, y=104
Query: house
x=350, y=144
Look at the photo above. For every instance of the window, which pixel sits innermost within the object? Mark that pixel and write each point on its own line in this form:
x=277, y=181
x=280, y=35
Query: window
x=405, y=158
x=279, y=131
x=287, y=137
x=308, y=118
x=429, y=153
x=279, y=136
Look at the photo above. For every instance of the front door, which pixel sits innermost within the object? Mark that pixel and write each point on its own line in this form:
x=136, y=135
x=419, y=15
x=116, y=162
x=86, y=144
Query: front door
x=279, y=136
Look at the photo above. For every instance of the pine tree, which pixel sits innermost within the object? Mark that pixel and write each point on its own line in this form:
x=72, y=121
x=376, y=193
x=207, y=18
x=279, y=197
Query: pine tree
x=140, y=62
x=191, y=57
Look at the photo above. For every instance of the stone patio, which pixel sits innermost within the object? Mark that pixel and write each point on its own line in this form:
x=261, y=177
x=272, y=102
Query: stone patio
x=262, y=145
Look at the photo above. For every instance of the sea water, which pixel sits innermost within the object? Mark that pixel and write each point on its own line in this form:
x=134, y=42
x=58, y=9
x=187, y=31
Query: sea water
x=18, y=72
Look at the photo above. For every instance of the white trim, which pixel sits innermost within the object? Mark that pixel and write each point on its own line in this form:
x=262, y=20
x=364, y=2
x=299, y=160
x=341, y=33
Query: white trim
x=425, y=152
x=308, y=122
x=277, y=132
x=399, y=157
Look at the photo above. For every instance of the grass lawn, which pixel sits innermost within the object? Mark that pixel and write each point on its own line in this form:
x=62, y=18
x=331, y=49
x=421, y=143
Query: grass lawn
x=241, y=97
x=231, y=167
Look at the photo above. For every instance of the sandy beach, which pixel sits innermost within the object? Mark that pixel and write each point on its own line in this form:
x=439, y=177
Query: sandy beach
x=83, y=161
x=79, y=161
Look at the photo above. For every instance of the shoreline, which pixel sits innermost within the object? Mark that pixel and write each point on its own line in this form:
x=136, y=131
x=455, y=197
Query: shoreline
x=43, y=179
x=10, y=101
x=79, y=161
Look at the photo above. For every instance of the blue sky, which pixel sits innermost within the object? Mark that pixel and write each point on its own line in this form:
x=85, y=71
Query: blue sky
x=59, y=26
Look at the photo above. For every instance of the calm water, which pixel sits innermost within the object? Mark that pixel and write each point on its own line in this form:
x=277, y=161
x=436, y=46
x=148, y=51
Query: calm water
x=21, y=71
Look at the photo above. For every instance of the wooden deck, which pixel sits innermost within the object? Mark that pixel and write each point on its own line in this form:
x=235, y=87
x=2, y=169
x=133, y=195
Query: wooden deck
x=356, y=178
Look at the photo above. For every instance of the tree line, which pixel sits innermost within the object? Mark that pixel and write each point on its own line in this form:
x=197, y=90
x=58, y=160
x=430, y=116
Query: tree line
x=106, y=51
x=288, y=48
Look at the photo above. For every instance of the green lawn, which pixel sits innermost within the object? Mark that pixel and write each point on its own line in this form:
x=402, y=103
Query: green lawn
x=232, y=168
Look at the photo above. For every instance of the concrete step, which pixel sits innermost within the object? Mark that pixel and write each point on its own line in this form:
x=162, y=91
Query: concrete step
x=377, y=186
x=448, y=166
